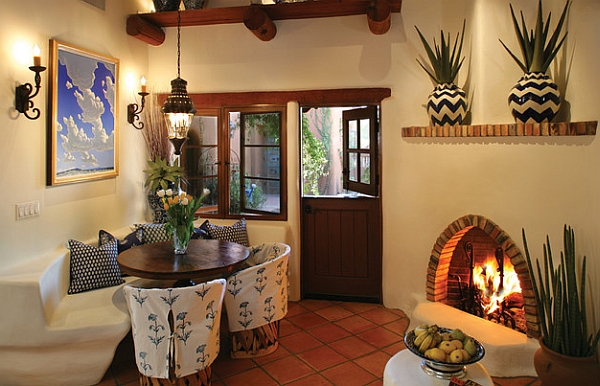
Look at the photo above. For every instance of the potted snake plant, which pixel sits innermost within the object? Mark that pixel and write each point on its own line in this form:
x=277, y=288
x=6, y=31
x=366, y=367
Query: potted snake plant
x=536, y=98
x=568, y=349
x=447, y=104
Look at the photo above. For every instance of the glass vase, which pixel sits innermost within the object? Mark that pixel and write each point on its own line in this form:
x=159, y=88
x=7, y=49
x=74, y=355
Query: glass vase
x=180, y=245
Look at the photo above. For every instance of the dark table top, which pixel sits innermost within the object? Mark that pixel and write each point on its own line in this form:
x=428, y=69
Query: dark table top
x=204, y=258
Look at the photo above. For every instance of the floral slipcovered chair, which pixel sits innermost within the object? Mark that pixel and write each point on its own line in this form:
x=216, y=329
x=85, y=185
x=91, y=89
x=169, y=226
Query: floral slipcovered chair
x=176, y=332
x=256, y=300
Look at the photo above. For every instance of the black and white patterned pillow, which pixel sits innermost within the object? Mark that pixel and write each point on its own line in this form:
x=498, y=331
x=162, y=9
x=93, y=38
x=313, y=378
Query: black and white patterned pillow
x=93, y=267
x=153, y=233
x=131, y=240
x=236, y=233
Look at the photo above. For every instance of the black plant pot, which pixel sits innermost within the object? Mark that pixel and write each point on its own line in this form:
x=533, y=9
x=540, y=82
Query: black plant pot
x=166, y=5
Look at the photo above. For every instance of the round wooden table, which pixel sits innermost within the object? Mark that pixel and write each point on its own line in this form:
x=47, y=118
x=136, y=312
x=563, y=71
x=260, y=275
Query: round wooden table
x=204, y=258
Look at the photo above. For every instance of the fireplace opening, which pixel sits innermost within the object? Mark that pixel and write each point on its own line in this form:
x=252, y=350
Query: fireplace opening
x=476, y=267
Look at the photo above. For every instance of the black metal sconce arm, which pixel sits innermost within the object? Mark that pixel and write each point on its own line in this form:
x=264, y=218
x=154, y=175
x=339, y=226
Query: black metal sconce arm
x=134, y=110
x=24, y=96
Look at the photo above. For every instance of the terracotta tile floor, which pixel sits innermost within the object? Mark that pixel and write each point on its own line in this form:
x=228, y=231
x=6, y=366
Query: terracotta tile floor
x=321, y=343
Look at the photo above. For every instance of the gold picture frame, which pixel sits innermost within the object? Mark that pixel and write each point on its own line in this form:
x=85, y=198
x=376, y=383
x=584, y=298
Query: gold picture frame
x=83, y=95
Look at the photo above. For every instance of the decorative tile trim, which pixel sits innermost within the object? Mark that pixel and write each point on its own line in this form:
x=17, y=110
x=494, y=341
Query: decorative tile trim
x=504, y=130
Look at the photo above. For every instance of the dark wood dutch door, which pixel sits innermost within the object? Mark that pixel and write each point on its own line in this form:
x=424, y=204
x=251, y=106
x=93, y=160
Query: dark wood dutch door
x=341, y=208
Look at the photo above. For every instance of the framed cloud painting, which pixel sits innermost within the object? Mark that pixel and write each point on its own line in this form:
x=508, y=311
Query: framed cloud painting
x=82, y=126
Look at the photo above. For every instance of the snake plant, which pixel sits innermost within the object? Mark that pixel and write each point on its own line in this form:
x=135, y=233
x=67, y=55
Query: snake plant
x=561, y=302
x=444, y=65
x=537, y=54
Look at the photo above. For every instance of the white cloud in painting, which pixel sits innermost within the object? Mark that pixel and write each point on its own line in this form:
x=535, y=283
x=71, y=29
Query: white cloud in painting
x=109, y=92
x=80, y=69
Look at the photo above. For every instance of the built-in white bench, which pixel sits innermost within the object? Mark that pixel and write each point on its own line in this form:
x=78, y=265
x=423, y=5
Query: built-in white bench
x=50, y=338
x=508, y=353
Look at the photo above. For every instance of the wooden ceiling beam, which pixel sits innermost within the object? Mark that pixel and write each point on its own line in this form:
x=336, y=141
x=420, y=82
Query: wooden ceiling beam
x=145, y=26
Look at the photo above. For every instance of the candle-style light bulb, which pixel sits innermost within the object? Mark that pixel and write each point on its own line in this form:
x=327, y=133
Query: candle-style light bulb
x=143, y=83
x=37, y=60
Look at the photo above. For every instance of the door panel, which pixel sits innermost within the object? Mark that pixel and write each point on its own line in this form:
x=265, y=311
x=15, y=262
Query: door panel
x=341, y=248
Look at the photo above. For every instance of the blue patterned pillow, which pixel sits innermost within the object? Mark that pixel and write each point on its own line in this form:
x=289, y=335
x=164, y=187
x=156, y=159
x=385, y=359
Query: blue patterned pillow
x=93, y=267
x=153, y=233
x=202, y=232
x=131, y=240
x=235, y=233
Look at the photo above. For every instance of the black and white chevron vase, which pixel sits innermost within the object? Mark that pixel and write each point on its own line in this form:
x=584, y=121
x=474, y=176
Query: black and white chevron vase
x=447, y=105
x=535, y=99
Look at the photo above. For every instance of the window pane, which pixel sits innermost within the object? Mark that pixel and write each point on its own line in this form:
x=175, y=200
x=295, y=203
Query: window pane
x=263, y=195
x=364, y=133
x=211, y=202
x=200, y=161
x=352, y=135
x=262, y=162
x=353, y=165
x=365, y=168
x=262, y=129
x=234, y=190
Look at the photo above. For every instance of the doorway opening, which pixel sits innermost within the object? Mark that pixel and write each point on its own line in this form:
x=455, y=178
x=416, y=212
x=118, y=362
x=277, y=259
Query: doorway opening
x=341, y=216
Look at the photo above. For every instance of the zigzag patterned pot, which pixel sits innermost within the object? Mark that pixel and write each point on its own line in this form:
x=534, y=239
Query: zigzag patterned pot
x=447, y=105
x=535, y=99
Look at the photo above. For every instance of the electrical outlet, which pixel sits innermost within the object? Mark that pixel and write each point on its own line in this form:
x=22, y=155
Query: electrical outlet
x=27, y=209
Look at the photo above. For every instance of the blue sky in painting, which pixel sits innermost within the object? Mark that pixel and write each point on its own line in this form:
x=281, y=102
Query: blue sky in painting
x=84, y=113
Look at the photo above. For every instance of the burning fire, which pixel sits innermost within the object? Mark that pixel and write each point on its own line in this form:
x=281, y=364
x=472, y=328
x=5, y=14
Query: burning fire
x=495, y=284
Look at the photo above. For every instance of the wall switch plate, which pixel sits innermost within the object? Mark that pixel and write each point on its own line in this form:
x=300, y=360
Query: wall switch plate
x=27, y=209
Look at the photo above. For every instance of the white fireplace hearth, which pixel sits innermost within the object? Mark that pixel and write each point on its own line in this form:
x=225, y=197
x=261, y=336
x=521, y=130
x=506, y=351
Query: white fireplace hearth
x=508, y=353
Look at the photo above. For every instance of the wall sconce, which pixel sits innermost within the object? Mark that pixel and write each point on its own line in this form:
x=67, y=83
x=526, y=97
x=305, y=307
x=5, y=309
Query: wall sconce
x=23, y=93
x=134, y=110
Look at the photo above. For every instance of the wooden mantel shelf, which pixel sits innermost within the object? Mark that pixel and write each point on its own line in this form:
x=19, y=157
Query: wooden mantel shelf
x=148, y=26
x=503, y=130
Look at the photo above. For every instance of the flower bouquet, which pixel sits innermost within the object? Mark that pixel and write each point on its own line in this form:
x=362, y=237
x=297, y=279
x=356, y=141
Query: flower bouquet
x=181, y=209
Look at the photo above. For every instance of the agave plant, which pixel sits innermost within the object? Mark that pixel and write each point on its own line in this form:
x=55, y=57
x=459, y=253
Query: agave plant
x=561, y=301
x=538, y=52
x=444, y=65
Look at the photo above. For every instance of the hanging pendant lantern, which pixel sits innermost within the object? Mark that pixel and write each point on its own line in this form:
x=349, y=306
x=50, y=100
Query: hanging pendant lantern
x=178, y=108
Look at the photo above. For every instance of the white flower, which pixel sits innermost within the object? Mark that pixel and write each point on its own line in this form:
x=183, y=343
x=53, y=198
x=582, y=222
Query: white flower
x=205, y=192
x=169, y=192
x=160, y=193
x=185, y=201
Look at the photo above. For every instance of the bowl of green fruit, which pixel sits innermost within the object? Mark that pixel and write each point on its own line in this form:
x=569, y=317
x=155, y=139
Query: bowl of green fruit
x=445, y=352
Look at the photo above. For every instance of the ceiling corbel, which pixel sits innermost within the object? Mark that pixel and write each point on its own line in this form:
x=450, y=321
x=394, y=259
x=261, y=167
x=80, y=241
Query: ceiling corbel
x=261, y=25
x=145, y=31
x=379, y=16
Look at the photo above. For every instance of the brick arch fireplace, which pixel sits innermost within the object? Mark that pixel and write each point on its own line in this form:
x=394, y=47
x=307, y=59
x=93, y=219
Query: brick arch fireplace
x=445, y=248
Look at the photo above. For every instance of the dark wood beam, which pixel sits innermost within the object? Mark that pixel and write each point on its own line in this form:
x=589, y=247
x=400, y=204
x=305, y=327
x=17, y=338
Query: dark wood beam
x=144, y=30
x=261, y=25
x=283, y=11
x=329, y=97
x=379, y=16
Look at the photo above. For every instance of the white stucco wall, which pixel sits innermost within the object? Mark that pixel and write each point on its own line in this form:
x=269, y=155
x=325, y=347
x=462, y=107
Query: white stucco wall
x=77, y=210
x=534, y=183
